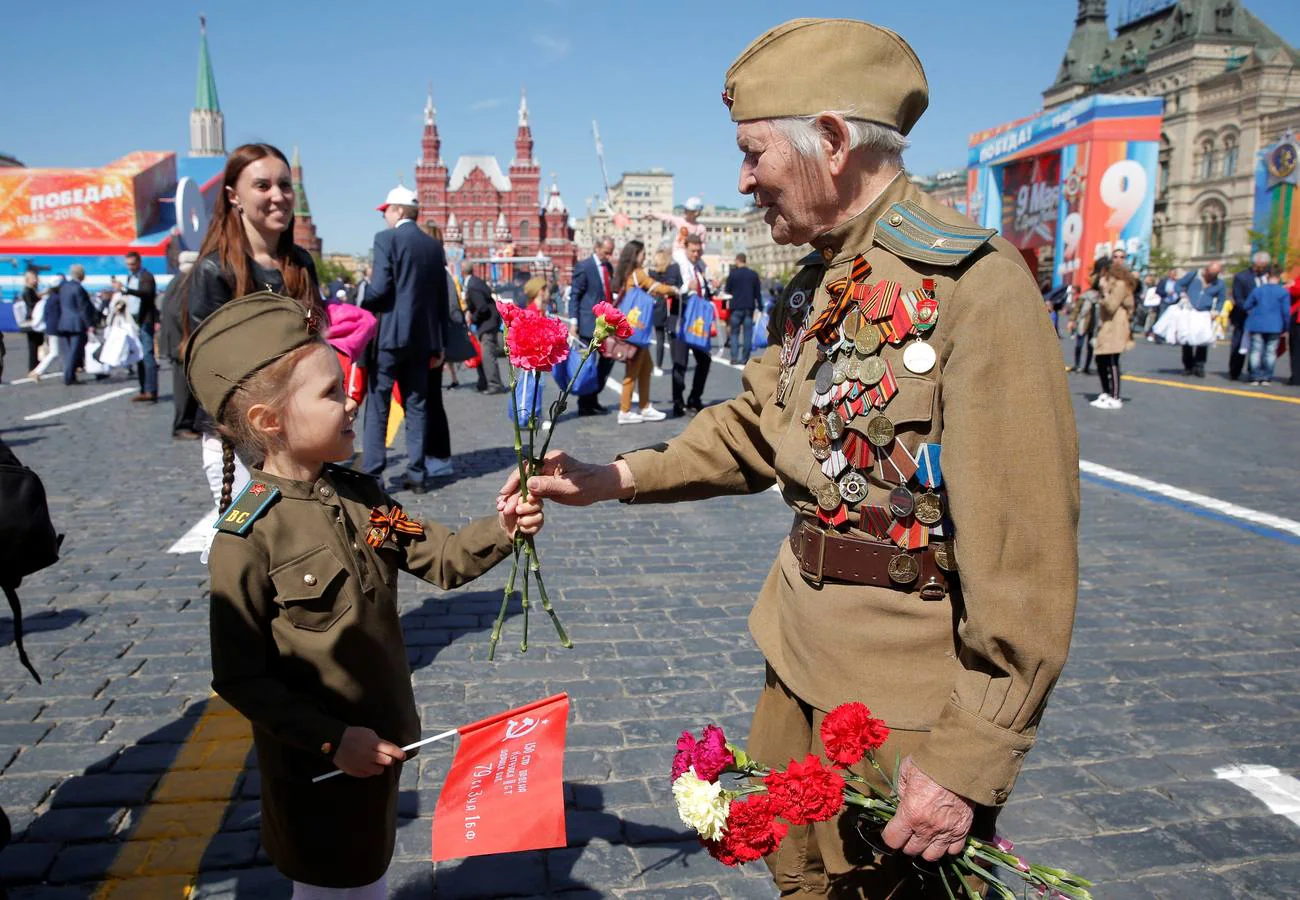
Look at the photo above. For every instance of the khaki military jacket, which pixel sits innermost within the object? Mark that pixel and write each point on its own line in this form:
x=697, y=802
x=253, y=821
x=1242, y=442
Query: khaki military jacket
x=306, y=641
x=974, y=669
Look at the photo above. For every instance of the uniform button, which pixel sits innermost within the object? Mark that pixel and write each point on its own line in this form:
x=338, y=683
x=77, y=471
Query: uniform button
x=999, y=796
x=355, y=547
x=326, y=748
x=326, y=492
x=895, y=220
x=309, y=580
x=828, y=254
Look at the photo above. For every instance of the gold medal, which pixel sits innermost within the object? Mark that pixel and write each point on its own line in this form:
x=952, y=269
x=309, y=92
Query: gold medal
x=929, y=509
x=903, y=569
x=821, y=450
x=851, y=325
x=880, y=431
x=867, y=340
x=945, y=556
x=834, y=425
x=841, y=371
x=828, y=498
x=873, y=369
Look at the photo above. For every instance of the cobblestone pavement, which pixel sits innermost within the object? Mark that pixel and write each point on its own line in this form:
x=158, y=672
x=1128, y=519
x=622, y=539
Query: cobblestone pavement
x=124, y=778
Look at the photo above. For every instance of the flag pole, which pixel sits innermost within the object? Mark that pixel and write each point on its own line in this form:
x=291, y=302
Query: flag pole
x=408, y=747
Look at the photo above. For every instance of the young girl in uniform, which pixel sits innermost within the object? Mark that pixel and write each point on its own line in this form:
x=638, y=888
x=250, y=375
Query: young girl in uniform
x=306, y=641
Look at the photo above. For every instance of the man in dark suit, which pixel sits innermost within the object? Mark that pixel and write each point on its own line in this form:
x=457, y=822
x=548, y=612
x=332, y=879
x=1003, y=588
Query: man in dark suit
x=487, y=327
x=140, y=283
x=1242, y=284
x=694, y=281
x=408, y=288
x=746, y=298
x=591, y=284
x=69, y=315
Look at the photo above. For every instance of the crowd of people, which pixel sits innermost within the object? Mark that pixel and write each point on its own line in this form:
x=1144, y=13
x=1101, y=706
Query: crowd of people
x=1257, y=313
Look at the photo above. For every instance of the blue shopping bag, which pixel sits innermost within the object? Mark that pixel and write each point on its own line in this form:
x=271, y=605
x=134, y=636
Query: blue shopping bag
x=639, y=307
x=759, y=343
x=527, y=398
x=587, y=380
x=696, y=326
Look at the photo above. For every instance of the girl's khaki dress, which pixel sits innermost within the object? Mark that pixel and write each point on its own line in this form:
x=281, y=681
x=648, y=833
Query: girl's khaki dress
x=306, y=641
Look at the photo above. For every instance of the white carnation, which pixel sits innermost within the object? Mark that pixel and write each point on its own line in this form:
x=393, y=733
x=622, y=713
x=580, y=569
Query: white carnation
x=701, y=804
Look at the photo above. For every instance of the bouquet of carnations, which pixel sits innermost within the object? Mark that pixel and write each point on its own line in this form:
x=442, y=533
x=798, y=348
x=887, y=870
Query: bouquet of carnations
x=749, y=820
x=536, y=342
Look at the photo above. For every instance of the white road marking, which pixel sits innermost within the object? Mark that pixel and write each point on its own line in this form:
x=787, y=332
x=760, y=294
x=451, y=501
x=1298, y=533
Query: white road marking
x=33, y=380
x=1222, y=507
x=1280, y=793
x=196, y=539
x=80, y=404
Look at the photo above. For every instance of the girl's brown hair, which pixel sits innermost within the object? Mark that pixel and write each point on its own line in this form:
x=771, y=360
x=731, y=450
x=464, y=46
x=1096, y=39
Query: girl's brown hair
x=269, y=386
x=226, y=236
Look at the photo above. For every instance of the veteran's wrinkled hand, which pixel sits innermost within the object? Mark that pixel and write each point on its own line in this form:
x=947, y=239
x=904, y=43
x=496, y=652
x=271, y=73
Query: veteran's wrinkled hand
x=932, y=821
x=572, y=482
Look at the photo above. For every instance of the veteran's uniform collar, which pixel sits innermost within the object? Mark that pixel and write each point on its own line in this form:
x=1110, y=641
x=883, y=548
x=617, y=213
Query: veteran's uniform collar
x=845, y=240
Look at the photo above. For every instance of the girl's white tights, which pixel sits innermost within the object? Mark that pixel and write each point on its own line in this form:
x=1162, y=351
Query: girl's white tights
x=377, y=890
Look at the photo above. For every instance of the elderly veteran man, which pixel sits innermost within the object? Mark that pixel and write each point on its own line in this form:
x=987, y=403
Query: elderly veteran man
x=912, y=407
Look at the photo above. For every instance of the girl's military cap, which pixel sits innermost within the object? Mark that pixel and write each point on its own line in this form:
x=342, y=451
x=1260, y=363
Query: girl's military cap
x=805, y=67
x=242, y=337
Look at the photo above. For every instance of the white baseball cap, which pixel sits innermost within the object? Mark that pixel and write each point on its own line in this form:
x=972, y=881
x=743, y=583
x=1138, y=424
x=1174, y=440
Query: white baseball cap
x=400, y=196
x=694, y=204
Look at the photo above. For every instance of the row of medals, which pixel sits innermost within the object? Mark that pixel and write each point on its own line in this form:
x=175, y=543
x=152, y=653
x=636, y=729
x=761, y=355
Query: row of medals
x=852, y=356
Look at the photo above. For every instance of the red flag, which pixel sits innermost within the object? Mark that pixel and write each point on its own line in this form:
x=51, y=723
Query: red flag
x=505, y=790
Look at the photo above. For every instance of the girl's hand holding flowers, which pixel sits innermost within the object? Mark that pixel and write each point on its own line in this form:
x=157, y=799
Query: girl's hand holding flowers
x=519, y=516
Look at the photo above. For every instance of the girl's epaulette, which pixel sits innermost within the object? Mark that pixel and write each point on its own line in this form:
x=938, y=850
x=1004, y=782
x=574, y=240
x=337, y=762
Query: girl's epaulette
x=255, y=499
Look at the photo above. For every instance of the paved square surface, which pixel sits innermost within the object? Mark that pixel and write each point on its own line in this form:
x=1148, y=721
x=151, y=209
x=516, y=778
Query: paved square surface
x=124, y=777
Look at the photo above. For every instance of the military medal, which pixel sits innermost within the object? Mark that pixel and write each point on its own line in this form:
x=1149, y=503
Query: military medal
x=901, y=502
x=903, y=569
x=880, y=395
x=857, y=451
x=927, y=313
x=840, y=371
x=873, y=369
x=824, y=377
x=919, y=357
x=898, y=466
x=945, y=557
x=867, y=340
x=853, y=488
x=851, y=325
x=928, y=508
x=880, y=431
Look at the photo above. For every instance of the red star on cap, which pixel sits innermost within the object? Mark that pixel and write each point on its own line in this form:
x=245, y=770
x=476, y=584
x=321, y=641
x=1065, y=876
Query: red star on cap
x=257, y=490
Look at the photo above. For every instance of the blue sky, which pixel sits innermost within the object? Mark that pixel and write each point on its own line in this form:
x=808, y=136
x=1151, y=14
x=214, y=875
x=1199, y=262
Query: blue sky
x=85, y=82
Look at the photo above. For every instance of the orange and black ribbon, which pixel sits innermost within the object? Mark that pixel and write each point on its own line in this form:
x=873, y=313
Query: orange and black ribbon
x=823, y=328
x=384, y=524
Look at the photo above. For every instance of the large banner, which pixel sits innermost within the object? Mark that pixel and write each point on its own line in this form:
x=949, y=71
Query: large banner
x=1090, y=165
x=118, y=202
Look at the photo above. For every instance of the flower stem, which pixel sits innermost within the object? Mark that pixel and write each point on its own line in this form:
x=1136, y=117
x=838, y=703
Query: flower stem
x=561, y=403
x=523, y=644
x=535, y=565
x=505, y=601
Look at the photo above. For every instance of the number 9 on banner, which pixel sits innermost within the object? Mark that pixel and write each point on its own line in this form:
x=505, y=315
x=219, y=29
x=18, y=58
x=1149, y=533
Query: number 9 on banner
x=1071, y=234
x=1123, y=187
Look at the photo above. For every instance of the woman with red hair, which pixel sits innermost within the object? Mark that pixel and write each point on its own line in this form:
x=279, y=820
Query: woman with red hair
x=248, y=248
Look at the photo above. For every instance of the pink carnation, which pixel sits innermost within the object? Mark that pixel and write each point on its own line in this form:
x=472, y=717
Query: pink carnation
x=709, y=755
x=535, y=342
x=509, y=312
x=614, y=318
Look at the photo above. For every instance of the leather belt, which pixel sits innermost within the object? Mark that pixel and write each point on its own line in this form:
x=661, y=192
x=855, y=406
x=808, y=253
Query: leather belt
x=827, y=556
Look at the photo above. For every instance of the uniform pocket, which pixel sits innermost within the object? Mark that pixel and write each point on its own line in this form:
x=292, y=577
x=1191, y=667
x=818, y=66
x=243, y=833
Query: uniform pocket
x=310, y=590
x=913, y=405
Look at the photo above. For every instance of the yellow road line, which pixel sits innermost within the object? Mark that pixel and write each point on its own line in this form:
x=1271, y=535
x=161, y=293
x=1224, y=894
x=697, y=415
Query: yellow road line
x=161, y=855
x=1236, y=392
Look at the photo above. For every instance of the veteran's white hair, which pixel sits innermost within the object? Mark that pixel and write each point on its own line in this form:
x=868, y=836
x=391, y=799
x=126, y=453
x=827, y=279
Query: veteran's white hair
x=804, y=136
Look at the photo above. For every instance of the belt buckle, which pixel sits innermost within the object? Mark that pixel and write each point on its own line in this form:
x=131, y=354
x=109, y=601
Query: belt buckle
x=933, y=589
x=814, y=579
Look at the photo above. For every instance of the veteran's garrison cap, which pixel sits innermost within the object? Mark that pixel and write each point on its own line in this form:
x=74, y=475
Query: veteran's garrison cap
x=805, y=67
x=241, y=338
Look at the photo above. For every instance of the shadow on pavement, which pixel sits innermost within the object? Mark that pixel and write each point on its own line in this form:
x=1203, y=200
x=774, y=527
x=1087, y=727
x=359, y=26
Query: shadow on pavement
x=36, y=624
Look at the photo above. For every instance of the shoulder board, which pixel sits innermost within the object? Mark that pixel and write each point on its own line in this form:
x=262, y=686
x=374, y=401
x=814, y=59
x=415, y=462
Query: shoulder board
x=812, y=259
x=911, y=232
x=252, y=501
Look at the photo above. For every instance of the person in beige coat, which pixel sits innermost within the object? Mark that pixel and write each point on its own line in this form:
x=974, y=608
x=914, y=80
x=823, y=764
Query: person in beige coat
x=942, y=596
x=1114, y=330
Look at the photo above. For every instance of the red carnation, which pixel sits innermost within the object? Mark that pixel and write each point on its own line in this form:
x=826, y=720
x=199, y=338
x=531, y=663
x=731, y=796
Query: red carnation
x=618, y=324
x=806, y=792
x=536, y=342
x=682, y=759
x=752, y=832
x=849, y=731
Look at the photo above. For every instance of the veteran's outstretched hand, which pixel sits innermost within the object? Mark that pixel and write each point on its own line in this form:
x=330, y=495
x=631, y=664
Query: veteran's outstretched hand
x=932, y=821
x=573, y=482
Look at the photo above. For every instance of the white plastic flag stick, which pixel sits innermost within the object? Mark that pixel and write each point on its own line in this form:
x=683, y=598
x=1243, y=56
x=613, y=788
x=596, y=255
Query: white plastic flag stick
x=428, y=740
